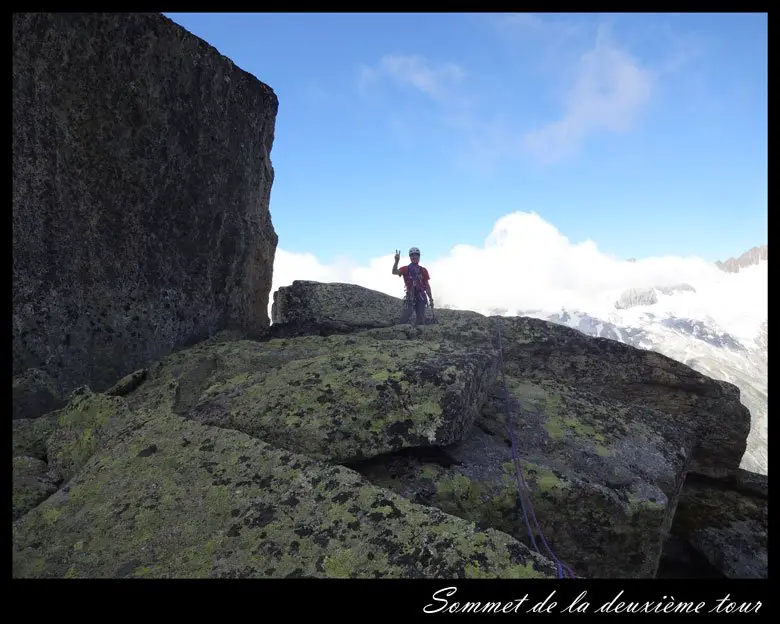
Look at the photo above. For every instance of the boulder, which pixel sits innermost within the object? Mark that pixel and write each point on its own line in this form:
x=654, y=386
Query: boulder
x=29, y=435
x=128, y=383
x=703, y=415
x=81, y=428
x=726, y=522
x=337, y=398
x=333, y=307
x=603, y=485
x=33, y=482
x=172, y=498
x=141, y=184
x=34, y=394
x=322, y=308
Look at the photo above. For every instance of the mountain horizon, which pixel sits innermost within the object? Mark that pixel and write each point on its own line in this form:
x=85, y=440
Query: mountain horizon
x=657, y=319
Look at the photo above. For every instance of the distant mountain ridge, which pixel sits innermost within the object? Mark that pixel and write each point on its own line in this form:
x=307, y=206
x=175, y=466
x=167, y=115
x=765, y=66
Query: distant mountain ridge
x=641, y=319
x=749, y=258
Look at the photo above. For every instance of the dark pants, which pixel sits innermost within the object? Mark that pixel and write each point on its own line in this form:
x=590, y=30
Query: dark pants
x=418, y=308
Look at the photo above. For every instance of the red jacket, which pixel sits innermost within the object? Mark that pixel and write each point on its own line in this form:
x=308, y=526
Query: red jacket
x=422, y=280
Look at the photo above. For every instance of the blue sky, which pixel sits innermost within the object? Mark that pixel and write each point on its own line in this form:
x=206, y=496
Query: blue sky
x=646, y=134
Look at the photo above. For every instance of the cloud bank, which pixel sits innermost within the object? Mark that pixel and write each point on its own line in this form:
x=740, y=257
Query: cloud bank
x=527, y=266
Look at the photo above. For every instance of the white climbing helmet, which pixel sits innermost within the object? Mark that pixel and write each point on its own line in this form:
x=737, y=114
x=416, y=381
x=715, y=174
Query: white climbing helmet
x=414, y=250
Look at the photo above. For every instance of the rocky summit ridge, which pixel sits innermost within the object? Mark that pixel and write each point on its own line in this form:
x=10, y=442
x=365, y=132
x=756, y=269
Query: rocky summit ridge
x=342, y=444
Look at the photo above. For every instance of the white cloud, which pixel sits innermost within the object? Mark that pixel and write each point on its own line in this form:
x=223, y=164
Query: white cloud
x=436, y=80
x=367, y=78
x=526, y=264
x=602, y=89
x=608, y=92
x=316, y=94
x=552, y=38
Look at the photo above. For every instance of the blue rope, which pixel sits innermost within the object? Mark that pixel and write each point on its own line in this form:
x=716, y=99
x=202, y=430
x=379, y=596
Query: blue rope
x=563, y=570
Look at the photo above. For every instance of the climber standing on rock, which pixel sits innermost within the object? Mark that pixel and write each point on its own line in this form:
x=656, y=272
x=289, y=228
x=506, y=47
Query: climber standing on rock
x=418, y=288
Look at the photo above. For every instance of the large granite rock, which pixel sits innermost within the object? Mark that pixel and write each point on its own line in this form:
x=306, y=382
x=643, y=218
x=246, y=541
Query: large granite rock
x=704, y=415
x=224, y=459
x=606, y=433
x=34, y=394
x=33, y=482
x=726, y=521
x=333, y=307
x=141, y=184
x=603, y=486
x=167, y=497
x=80, y=429
x=337, y=398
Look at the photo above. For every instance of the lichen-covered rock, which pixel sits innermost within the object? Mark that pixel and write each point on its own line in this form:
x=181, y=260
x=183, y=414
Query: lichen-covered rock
x=333, y=306
x=80, y=429
x=602, y=484
x=33, y=482
x=34, y=394
x=308, y=307
x=611, y=429
x=176, y=499
x=141, y=184
x=339, y=398
x=28, y=435
x=128, y=383
x=608, y=437
x=727, y=524
x=704, y=415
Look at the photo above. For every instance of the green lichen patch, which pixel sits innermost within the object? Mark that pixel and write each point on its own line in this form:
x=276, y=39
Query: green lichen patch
x=178, y=380
x=29, y=435
x=596, y=530
x=80, y=429
x=356, y=402
x=175, y=498
x=568, y=413
x=614, y=443
x=33, y=483
x=339, y=398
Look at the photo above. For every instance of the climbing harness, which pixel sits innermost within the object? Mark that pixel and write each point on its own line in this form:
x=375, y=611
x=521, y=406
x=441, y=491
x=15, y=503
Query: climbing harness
x=563, y=570
x=418, y=294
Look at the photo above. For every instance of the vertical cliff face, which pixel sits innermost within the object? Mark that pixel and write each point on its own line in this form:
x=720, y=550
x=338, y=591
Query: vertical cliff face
x=142, y=182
